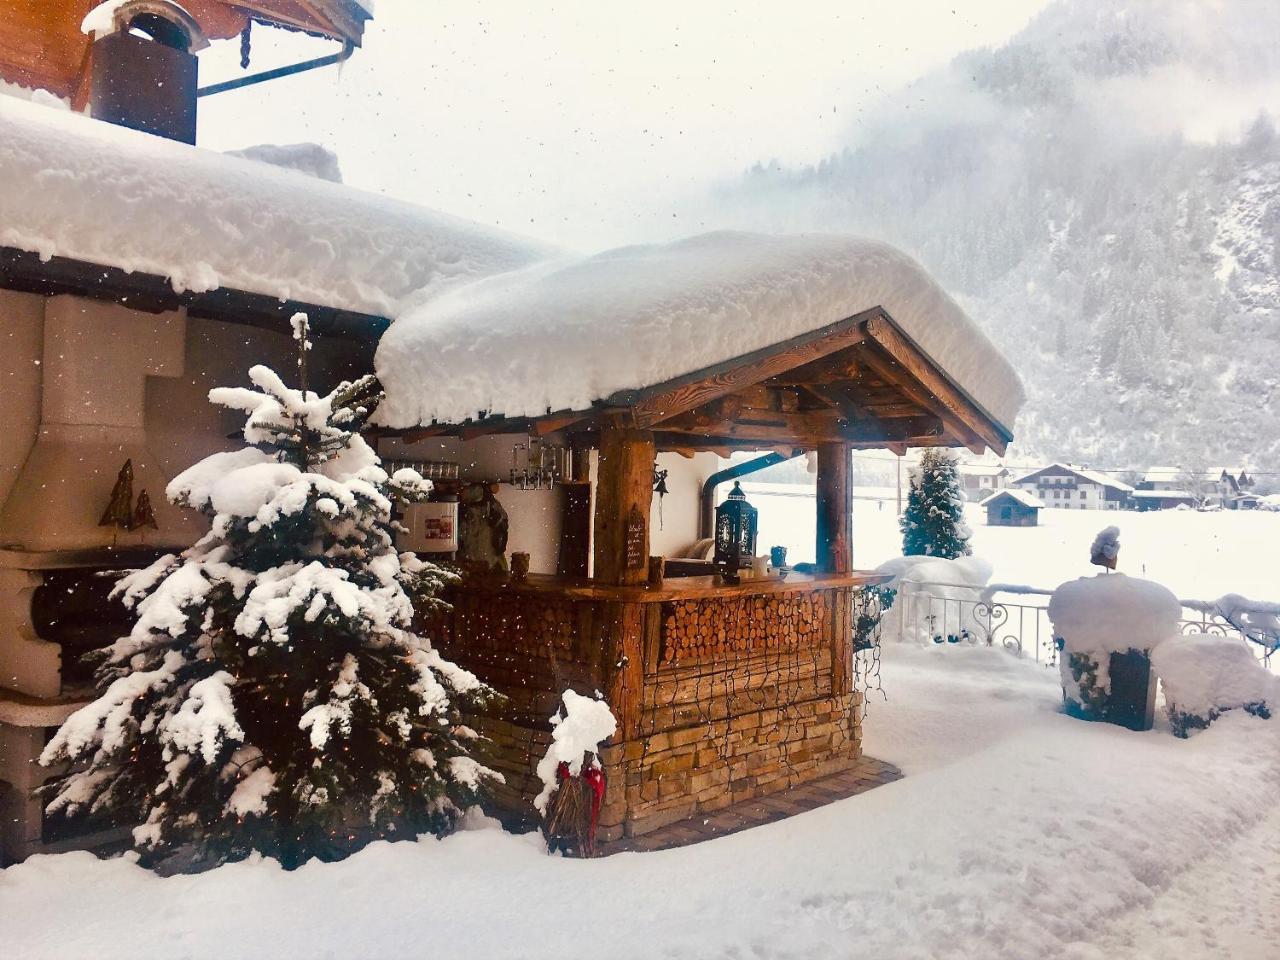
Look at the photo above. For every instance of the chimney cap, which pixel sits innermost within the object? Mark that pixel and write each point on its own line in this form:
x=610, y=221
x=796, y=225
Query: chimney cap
x=119, y=16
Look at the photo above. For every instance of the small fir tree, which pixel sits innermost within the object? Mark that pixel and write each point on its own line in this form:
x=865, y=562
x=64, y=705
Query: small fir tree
x=272, y=696
x=933, y=522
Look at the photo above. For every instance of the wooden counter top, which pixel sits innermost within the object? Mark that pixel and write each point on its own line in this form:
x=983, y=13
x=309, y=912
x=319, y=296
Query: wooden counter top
x=673, y=588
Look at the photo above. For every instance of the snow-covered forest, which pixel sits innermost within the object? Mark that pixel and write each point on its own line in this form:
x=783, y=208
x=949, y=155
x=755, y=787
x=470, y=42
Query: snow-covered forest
x=1112, y=226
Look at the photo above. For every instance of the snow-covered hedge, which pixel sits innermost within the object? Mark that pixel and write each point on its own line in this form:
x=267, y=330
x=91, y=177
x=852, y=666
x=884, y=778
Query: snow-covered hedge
x=1095, y=617
x=945, y=582
x=1204, y=676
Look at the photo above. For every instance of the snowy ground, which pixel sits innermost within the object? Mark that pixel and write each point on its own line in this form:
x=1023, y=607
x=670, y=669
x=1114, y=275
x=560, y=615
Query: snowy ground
x=1016, y=833
x=1196, y=555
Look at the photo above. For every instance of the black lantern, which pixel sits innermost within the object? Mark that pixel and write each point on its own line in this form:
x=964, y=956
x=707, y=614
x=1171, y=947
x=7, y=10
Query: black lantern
x=735, y=532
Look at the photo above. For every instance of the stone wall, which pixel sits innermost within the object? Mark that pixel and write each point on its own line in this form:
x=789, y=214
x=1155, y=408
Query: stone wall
x=749, y=712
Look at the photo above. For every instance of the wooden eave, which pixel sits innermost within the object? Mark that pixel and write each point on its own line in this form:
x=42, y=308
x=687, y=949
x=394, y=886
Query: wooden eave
x=25, y=272
x=860, y=381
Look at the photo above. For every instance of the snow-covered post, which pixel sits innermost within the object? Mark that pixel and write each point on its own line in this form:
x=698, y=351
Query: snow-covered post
x=573, y=780
x=1107, y=626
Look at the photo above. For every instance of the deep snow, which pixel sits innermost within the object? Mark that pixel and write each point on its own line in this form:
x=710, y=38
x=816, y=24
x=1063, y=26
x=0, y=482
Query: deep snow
x=1017, y=832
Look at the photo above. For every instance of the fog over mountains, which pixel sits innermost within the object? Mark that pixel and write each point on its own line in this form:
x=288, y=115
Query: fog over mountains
x=1103, y=195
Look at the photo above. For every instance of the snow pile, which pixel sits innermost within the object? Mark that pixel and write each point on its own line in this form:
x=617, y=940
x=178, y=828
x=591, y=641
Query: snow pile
x=1204, y=676
x=101, y=19
x=1113, y=613
x=578, y=729
x=96, y=192
x=1016, y=833
x=567, y=333
x=309, y=158
x=936, y=598
x=1097, y=616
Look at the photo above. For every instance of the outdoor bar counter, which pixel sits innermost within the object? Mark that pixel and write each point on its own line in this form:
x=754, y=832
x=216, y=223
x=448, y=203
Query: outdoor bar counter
x=721, y=691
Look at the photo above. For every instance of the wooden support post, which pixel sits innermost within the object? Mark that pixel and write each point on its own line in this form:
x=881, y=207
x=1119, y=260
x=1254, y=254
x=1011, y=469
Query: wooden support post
x=835, y=553
x=624, y=495
x=835, y=509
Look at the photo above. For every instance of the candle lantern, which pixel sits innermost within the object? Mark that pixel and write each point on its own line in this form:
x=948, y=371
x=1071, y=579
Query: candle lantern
x=735, y=532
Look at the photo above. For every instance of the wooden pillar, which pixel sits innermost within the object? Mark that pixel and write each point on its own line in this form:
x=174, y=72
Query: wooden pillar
x=835, y=554
x=835, y=509
x=624, y=495
x=575, y=519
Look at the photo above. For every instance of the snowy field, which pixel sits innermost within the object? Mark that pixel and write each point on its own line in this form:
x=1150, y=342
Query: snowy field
x=1196, y=555
x=1016, y=833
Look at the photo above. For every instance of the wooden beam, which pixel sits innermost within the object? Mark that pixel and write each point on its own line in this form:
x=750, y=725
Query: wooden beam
x=955, y=402
x=834, y=509
x=654, y=404
x=921, y=394
x=624, y=495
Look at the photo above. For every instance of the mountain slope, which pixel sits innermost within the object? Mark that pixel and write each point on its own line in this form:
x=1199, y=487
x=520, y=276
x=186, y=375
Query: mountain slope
x=1075, y=190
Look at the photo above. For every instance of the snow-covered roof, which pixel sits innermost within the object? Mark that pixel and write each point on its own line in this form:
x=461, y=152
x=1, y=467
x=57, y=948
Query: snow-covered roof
x=1162, y=495
x=564, y=334
x=1024, y=497
x=1091, y=476
x=95, y=192
x=983, y=469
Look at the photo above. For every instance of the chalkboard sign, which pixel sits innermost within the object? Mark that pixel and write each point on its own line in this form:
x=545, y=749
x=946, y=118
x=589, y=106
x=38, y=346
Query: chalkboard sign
x=637, y=555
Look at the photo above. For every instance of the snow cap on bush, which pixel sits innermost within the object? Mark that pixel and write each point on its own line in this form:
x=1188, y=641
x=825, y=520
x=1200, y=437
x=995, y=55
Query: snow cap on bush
x=1204, y=675
x=1112, y=613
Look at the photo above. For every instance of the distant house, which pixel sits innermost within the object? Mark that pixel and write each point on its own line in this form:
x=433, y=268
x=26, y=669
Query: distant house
x=979, y=480
x=1220, y=486
x=1145, y=500
x=1244, y=501
x=1075, y=488
x=1012, y=508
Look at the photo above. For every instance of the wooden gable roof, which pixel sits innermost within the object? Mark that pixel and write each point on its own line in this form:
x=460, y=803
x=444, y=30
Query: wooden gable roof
x=860, y=381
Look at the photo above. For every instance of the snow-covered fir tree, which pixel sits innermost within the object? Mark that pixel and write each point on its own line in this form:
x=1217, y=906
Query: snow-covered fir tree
x=933, y=522
x=272, y=695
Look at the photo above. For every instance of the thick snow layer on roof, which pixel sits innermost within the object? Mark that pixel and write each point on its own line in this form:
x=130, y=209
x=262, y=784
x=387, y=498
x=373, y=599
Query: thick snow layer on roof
x=563, y=334
x=1023, y=497
x=79, y=188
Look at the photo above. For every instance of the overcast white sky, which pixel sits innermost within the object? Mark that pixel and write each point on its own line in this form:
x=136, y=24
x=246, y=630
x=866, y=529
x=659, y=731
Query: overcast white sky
x=577, y=122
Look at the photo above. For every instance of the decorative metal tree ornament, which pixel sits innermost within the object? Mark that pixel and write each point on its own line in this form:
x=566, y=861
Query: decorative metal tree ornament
x=735, y=533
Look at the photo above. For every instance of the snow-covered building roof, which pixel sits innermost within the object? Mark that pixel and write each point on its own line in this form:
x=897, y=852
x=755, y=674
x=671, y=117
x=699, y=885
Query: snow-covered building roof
x=570, y=333
x=1162, y=495
x=983, y=469
x=104, y=195
x=1089, y=476
x=1024, y=497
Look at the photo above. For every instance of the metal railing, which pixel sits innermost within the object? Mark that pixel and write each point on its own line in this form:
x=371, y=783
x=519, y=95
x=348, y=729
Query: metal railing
x=1016, y=617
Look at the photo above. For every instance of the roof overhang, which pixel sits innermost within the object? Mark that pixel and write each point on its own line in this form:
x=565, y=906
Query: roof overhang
x=26, y=272
x=860, y=381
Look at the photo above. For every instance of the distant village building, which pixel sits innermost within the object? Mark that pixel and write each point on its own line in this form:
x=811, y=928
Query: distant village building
x=1145, y=500
x=979, y=480
x=1076, y=488
x=1012, y=508
x=1225, y=487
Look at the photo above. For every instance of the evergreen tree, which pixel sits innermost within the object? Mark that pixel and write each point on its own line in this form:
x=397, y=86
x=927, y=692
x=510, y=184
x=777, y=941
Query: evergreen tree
x=272, y=696
x=933, y=522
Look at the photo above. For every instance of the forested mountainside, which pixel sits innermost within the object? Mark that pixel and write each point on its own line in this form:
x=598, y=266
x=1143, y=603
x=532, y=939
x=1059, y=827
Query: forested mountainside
x=1103, y=195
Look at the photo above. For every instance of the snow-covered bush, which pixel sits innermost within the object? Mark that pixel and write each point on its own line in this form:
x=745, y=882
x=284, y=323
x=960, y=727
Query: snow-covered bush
x=1204, y=676
x=936, y=599
x=933, y=521
x=1095, y=617
x=272, y=695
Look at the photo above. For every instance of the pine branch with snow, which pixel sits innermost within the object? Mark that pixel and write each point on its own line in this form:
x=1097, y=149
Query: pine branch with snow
x=272, y=695
x=933, y=522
